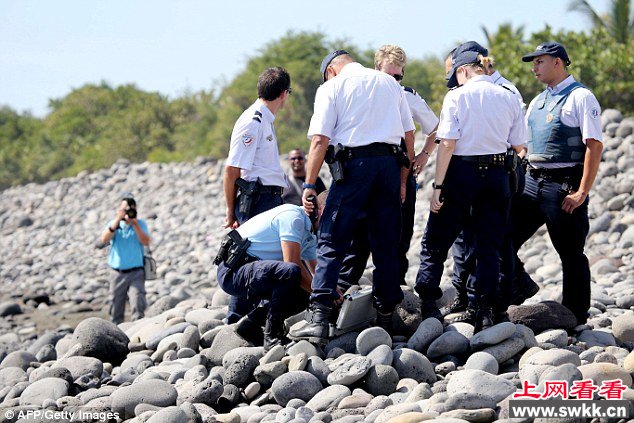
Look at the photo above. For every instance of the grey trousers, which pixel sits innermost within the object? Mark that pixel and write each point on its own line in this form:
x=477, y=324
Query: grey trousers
x=125, y=285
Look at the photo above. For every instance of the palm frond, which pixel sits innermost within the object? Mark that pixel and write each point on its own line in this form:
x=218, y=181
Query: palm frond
x=582, y=6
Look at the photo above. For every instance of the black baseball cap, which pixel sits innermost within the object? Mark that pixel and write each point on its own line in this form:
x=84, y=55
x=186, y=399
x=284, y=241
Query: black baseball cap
x=551, y=48
x=463, y=55
x=329, y=58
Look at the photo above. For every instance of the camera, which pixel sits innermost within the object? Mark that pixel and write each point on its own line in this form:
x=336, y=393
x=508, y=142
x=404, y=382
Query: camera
x=130, y=212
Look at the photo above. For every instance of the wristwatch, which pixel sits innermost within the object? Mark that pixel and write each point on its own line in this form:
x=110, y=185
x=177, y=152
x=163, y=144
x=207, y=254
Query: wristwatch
x=308, y=186
x=436, y=186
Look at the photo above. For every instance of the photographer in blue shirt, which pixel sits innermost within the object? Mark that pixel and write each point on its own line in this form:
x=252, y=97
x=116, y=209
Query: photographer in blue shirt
x=127, y=235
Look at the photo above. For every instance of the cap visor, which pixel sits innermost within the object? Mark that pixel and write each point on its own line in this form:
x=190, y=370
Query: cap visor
x=530, y=56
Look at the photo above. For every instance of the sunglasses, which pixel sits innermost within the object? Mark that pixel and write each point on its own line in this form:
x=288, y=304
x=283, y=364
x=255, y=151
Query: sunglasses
x=296, y=158
x=398, y=77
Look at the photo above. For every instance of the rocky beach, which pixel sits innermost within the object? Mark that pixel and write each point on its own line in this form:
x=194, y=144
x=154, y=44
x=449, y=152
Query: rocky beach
x=181, y=363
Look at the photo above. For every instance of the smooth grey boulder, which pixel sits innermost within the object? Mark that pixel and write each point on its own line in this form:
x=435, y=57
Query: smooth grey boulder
x=469, y=381
x=80, y=366
x=428, y=330
x=317, y=367
x=350, y=372
x=298, y=384
x=449, y=343
x=493, y=335
x=38, y=392
x=382, y=354
x=381, y=379
x=469, y=401
x=101, y=339
x=412, y=364
x=371, y=338
x=482, y=361
x=225, y=341
x=554, y=357
x=506, y=349
x=328, y=398
x=206, y=392
x=543, y=316
x=155, y=392
x=169, y=415
x=240, y=371
x=21, y=359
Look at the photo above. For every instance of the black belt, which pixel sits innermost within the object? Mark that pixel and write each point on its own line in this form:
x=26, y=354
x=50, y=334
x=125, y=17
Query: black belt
x=271, y=189
x=485, y=159
x=372, y=150
x=127, y=270
x=557, y=174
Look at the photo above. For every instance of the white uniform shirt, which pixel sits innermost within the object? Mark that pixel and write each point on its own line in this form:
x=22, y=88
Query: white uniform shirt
x=361, y=106
x=254, y=147
x=421, y=112
x=580, y=110
x=483, y=117
x=500, y=80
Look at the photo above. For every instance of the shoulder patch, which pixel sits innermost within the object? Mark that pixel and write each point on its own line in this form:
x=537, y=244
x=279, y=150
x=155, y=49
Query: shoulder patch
x=247, y=139
x=594, y=113
x=410, y=90
x=257, y=119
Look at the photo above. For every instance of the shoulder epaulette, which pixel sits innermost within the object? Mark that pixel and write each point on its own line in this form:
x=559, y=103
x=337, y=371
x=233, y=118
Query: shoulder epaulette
x=410, y=90
x=504, y=86
x=257, y=116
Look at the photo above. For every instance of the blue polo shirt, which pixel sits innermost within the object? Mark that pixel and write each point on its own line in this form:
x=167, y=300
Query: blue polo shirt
x=287, y=222
x=126, y=251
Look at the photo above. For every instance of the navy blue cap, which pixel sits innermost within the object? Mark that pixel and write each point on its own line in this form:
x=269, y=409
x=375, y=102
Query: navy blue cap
x=551, y=48
x=463, y=55
x=329, y=58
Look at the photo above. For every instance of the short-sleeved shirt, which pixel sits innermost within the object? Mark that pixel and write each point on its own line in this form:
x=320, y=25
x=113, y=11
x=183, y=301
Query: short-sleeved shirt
x=267, y=230
x=421, y=112
x=483, y=117
x=126, y=251
x=500, y=80
x=254, y=147
x=361, y=106
x=293, y=195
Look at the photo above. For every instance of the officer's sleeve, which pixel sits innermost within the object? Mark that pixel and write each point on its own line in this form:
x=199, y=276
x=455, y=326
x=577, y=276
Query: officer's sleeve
x=449, y=125
x=324, y=113
x=589, y=112
x=421, y=112
x=290, y=225
x=406, y=114
x=244, y=142
x=518, y=133
x=309, y=247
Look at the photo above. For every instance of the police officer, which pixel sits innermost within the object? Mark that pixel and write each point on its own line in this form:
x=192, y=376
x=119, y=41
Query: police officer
x=564, y=151
x=463, y=250
x=479, y=122
x=365, y=111
x=254, y=163
x=271, y=268
x=391, y=59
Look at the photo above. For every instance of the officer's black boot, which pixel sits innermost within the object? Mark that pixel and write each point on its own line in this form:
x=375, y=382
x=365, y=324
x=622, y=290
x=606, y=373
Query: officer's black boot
x=483, y=319
x=316, y=327
x=523, y=287
x=458, y=305
x=249, y=327
x=428, y=309
x=384, y=320
x=274, y=332
x=467, y=316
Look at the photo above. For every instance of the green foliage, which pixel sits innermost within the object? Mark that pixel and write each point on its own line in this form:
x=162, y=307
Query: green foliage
x=94, y=125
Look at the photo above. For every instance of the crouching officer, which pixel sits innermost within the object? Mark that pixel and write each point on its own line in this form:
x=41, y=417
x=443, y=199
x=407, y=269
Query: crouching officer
x=564, y=151
x=364, y=114
x=262, y=260
x=479, y=122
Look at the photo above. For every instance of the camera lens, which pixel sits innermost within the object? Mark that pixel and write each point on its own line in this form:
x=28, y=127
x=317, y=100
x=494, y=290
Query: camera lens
x=131, y=212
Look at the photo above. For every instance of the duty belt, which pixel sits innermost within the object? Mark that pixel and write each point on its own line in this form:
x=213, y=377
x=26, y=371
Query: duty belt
x=562, y=174
x=271, y=189
x=485, y=159
x=373, y=150
x=127, y=270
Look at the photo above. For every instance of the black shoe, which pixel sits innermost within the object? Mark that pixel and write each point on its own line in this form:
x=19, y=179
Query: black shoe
x=315, y=328
x=467, y=316
x=500, y=316
x=250, y=330
x=274, y=332
x=458, y=305
x=524, y=287
x=483, y=319
x=428, y=309
x=384, y=320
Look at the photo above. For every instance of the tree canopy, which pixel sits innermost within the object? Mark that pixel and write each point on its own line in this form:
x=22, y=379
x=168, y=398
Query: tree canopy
x=94, y=125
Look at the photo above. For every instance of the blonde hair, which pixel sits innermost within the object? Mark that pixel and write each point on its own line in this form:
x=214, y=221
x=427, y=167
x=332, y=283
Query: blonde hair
x=482, y=65
x=390, y=54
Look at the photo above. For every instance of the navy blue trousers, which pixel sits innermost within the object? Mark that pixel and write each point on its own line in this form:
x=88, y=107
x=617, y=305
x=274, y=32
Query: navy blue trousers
x=476, y=201
x=463, y=251
x=276, y=281
x=371, y=187
x=540, y=204
x=239, y=307
x=357, y=257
